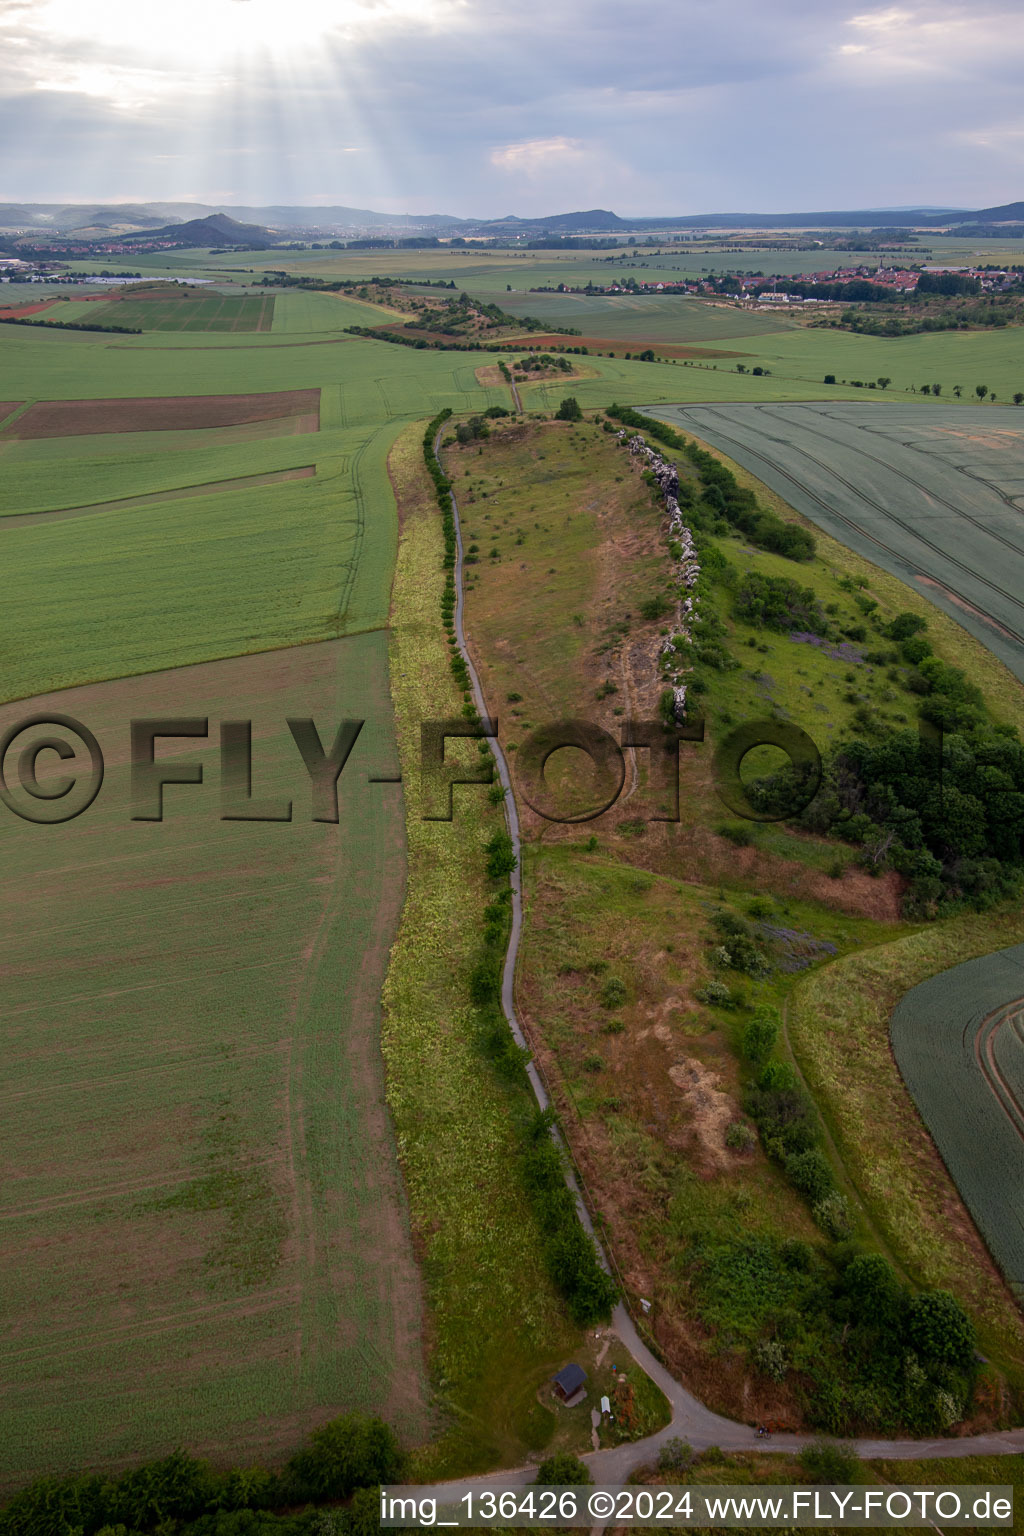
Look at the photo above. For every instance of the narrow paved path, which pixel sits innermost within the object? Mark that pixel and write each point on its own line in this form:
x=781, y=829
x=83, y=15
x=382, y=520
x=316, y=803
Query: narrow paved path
x=691, y=1420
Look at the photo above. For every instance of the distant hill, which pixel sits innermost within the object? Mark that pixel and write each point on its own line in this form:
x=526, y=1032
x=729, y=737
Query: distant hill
x=201, y=225
x=1009, y=213
x=597, y=219
x=218, y=229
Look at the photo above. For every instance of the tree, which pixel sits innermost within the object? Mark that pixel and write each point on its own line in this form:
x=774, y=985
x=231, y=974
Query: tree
x=958, y=390
x=884, y=382
x=830, y=378
x=939, y=1328
x=760, y=1035
x=875, y=1296
x=981, y=390
x=569, y=410
x=936, y=389
x=926, y=389
x=562, y=1470
x=354, y=1451
x=1018, y=398
x=501, y=858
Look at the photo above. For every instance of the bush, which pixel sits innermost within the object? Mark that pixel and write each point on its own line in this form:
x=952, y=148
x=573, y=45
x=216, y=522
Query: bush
x=675, y=1455
x=769, y=1358
x=904, y=625
x=613, y=993
x=353, y=1451
x=655, y=607
x=832, y=1215
x=739, y=1137
x=760, y=1035
x=810, y=1173
x=501, y=858
x=562, y=1470
x=569, y=1252
x=715, y=994
x=828, y=1461
x=939, y=1328
x=777, y=602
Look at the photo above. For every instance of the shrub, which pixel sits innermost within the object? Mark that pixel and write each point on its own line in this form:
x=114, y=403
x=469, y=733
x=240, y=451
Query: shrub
x=939, y=1328
x=828, y=1461
x=760, y=1035
x=562, y=1470
x=354, y=1451
x=769, y=1358
x=675, y=1455
x=613, y=993
x=904, y=625
x=715, y=994
x=832, y=1215
x=739, y=1137
x=655, y=607
x=501, y=858
x=810, y=1173
x=777, y=602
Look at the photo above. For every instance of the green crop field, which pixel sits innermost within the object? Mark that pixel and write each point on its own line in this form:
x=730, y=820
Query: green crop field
x=647, y=317
x=206, y=1195
x=202, y=1194
x=931, y=493
x=956, y=1039
x=188, y=310
x=129, y=590
x=948, y=358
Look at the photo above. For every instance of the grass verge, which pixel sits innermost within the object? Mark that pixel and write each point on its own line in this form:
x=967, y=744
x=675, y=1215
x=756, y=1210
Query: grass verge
x=498, y=1330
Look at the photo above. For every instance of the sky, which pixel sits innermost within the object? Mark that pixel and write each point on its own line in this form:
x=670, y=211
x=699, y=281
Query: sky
x=479, y=108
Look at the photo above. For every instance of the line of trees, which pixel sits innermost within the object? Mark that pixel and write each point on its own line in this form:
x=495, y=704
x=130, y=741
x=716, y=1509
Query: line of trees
x=348, y=1454
x=71, y=325
x=724, y=503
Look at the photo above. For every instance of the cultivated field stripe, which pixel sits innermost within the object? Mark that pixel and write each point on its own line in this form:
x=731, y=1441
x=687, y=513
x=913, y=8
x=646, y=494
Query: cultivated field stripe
x=210, y=488
x=943, y=1039
x=951, y=568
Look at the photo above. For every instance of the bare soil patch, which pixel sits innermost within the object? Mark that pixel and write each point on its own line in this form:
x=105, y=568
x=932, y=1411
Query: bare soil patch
x=7, y=406
x=18, y=311
x=167, y=413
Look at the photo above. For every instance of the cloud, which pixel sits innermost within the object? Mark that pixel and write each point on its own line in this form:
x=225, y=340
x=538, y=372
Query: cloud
x=467, y=106
x=537, y=156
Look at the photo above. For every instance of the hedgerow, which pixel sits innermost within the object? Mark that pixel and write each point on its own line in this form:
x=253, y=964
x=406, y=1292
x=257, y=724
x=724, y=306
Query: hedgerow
x=186, y=1495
